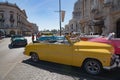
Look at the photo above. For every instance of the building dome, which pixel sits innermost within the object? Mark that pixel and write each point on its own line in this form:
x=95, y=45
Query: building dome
x=77, y=9
x=77, y=4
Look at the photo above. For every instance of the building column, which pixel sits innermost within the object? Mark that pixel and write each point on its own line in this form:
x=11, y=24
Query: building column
x=15, y=19
x=109, y=25
x=78, y=27
x=108, y=20
x=86, y=29
x=74, y=27
x=7, y=18
x=93, y=29
x=82, y=28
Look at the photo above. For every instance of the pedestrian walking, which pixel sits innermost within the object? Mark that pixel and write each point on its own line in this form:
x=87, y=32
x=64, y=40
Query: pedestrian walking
x=38, y=35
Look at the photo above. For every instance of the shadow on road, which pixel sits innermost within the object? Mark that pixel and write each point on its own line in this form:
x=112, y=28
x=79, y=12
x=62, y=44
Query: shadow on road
x=12, y=47
x=74, y=71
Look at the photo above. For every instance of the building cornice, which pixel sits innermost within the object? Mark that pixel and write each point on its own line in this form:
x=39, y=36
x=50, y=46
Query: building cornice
x=14, y=6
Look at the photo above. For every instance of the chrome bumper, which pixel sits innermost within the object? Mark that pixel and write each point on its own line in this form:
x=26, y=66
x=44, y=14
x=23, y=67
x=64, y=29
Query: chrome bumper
x=115, y=63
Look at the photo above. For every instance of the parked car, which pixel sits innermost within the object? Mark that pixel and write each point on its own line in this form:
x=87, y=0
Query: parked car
x=2, y=36
x=15, y=36
x=92, y=56
x=87, y=37
x=18, y=41
x=109, y=40
x=50, y=38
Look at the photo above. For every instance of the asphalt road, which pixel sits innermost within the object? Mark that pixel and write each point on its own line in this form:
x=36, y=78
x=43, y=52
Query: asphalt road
x=9, y=57
x=16, y=66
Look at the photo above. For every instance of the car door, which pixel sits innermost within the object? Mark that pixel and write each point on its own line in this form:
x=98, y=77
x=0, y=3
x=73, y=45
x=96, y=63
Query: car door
x=43, y=51
x=61, y=53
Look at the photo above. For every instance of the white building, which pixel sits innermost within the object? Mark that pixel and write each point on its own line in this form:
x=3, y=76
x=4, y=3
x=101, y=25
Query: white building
x=13, y=20
x=97, y=16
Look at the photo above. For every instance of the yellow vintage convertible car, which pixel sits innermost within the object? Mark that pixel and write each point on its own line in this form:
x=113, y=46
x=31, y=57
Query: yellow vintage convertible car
x=92, y=56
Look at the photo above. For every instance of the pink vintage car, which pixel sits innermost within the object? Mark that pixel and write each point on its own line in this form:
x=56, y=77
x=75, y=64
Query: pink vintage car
x=109, y=40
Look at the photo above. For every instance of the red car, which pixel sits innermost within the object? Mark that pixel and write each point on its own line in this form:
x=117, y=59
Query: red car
x=109, y=40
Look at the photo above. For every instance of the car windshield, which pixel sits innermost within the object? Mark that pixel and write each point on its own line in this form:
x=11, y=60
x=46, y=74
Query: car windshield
x=16, y=36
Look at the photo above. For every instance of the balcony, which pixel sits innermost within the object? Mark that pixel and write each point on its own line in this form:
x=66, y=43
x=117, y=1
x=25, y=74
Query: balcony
x=2, y=20
x=108, y=3
x=115, y=8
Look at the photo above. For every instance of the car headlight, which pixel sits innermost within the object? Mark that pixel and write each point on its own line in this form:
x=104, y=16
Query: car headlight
x=114, y=59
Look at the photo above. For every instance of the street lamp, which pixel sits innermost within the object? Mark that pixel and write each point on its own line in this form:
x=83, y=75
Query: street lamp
x=60, y=15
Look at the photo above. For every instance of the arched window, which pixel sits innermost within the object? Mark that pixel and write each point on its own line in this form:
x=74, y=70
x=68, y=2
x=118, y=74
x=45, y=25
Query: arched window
x=1, y=15
x=11, y=16
x=2, y=18
x=12, y=32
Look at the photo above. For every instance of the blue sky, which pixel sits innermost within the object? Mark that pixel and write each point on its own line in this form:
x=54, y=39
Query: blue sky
x=43, y=12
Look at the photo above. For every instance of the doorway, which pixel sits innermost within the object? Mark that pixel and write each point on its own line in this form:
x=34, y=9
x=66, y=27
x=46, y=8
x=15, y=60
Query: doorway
x=118, y=29
x=12, y=32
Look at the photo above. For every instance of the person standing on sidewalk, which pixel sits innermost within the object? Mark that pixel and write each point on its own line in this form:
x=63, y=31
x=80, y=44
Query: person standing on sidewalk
x=33, y=37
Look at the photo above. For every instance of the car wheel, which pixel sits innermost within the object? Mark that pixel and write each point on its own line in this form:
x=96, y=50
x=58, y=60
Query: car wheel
x=92, y=66
x=34, y=57
x=12, y=45
x=24, y=45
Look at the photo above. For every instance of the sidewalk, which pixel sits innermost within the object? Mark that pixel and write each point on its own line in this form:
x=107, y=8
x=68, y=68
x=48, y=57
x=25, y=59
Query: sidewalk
x=1, y=40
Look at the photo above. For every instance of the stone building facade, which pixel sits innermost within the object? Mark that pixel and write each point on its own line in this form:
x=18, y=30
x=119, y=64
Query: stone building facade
x=13, y=20
x=96, y=16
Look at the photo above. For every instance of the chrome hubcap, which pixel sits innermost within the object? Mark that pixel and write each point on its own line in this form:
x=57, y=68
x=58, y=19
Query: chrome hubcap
x=92, y=67
x=34, y=57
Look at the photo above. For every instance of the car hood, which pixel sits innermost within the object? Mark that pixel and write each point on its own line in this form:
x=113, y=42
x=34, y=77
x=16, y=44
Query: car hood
x=88, y=43
x=102, y=40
